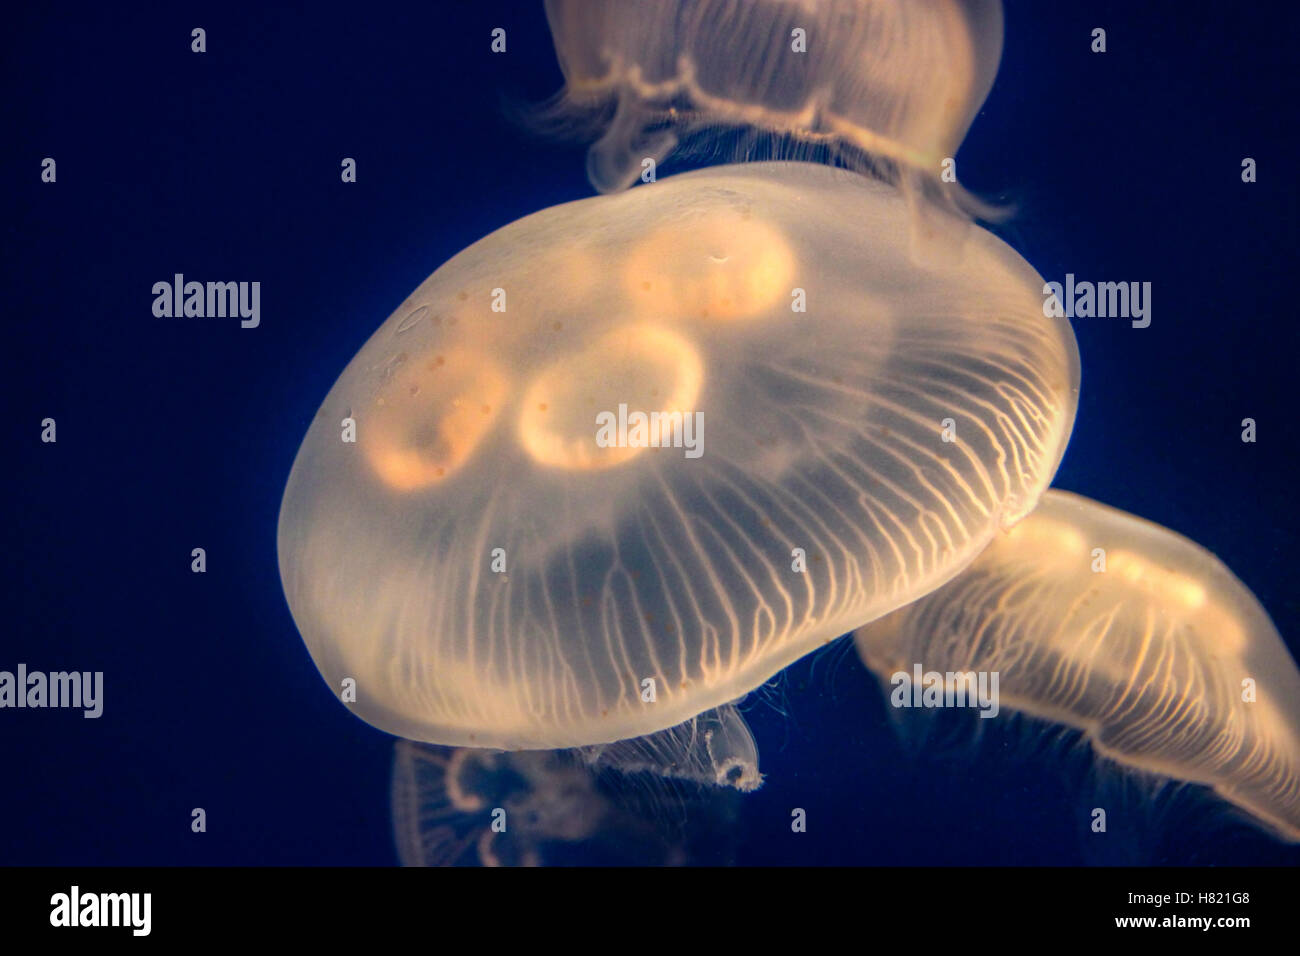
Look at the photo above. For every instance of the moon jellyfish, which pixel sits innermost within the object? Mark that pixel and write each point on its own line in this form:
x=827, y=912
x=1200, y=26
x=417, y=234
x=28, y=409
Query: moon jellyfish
x=1139, y=638
x=469, y=805
x=884, y=86
x=444, y=803
x=624, y=459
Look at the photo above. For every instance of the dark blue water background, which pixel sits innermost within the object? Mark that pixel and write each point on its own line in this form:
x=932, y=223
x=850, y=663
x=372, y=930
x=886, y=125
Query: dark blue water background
x=180, y=433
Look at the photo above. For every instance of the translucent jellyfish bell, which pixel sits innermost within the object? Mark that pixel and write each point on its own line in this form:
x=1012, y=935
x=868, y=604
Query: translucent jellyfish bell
x=1143, y=640
x=879, y=83
x=540, y=807
x=444, y=803
x=624, y=459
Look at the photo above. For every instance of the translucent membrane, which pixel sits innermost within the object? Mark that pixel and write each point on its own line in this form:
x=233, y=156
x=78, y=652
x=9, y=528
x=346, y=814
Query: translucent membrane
x=893, y=80
x=837, y=432
x=715, y=747
x=1164, y=659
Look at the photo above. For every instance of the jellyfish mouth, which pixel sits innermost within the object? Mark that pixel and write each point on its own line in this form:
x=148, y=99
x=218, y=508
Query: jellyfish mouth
x=429, y=419
x=638, y=365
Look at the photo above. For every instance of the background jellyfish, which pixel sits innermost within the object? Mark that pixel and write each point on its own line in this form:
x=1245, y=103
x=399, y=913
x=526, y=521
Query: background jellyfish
x=888, y=80
x=444, y=802
x=887, y=87
x=552, y=807
x=491, y=573
x=1134, y=635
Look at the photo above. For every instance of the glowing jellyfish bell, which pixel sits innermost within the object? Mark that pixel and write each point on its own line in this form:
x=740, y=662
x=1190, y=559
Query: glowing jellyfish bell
x=1143, y=640
x=883, y=86
x=622, y=460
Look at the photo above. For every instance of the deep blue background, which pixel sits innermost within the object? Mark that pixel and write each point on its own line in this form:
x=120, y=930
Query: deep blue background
x=176, y=434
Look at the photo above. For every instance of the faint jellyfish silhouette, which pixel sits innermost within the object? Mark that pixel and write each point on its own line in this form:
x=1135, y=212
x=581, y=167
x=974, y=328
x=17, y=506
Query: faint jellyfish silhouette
x=534, y=543
x=445, y=803
x=536, y=807
x=887, y=87
x=1132, y=634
